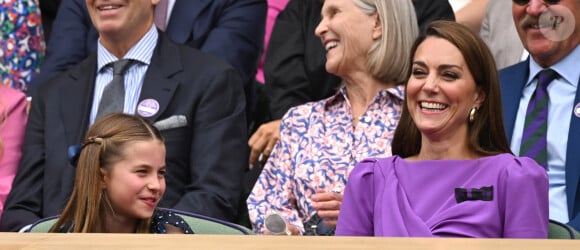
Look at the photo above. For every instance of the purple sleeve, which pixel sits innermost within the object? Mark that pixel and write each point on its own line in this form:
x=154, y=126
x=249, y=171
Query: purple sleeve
x=525, y=200
x=356, y=212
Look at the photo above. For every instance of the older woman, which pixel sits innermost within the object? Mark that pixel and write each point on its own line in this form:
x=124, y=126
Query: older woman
x=452, y=173
x=367, y=44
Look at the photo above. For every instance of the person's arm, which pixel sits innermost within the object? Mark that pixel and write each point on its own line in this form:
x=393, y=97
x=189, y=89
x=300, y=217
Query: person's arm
x=12, y=125
x=524, y=199
x=218, y=156
x=238, y=36
x=24, y=203
x=472, y=14
x=273, y=192
x=357, y=209
x=73, y=38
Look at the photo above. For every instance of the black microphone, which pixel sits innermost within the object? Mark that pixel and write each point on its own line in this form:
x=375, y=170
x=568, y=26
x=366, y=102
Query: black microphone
x=276, y=225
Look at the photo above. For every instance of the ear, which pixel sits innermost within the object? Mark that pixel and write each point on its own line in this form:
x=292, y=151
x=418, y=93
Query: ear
x=104, y=178
x=378, y=27
x=479, y=98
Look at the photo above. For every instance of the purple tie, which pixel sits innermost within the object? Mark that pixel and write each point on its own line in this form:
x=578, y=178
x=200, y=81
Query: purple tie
x=161, y=14
x=534, y=142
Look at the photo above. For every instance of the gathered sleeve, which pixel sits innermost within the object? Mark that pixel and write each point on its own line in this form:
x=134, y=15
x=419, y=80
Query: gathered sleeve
x=525, y=200
x=357, y=209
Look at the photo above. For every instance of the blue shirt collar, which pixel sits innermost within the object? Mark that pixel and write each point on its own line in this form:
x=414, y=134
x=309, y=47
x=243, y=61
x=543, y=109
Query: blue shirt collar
x=142, y=51
x=567, y=68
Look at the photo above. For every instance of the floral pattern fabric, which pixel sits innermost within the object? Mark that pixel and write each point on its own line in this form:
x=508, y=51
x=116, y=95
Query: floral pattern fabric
x=317, y=150
x=22, y=42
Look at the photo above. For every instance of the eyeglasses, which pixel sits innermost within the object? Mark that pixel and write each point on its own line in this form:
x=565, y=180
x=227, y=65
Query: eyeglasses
x=524, y=2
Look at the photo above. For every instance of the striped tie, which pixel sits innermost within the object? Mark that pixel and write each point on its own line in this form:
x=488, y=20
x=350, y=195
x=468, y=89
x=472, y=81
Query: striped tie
x=534, y=143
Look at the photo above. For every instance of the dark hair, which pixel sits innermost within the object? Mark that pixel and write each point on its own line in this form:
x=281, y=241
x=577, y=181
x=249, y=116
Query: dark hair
x=486, y=134
x=103, y=145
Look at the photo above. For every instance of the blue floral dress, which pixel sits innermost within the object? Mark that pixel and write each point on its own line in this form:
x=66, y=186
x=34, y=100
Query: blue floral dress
x=21, y=41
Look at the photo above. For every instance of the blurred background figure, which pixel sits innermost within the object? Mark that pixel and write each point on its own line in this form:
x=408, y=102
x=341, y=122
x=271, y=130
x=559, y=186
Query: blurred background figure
x=13, y=118
x=470, y=12
x=21, y=42
x=367, y=44
x=48, y=8
x=498, y=31
x=452, y=173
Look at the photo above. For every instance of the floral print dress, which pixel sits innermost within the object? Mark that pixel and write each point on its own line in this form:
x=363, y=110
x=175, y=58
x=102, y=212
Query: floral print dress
x=22, y=42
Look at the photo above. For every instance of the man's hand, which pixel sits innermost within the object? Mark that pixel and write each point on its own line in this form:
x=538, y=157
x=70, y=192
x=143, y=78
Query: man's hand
x=263, y=141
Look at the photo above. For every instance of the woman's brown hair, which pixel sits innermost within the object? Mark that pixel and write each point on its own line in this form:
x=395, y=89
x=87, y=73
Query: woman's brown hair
x=103, y=145
x=486, y=134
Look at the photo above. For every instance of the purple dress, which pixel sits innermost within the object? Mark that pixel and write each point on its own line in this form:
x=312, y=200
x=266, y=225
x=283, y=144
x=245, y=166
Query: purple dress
x=498, y=196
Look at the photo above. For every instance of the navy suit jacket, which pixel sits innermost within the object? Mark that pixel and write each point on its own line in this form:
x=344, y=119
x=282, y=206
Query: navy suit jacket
x=232, y=30
x=512, y=81
x=205, y=159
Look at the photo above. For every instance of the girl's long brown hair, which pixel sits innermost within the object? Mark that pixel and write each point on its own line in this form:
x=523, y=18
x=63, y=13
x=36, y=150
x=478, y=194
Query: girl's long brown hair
x=103, y=145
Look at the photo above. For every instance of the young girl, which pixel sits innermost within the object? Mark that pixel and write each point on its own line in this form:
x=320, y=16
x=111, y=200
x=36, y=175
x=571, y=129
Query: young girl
x=120, y=179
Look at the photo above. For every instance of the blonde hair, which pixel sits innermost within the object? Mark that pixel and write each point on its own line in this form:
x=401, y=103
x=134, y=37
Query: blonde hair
x=389, y=55
x=103, y=145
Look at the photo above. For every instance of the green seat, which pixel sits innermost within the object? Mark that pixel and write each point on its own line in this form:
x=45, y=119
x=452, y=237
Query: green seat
x=199, y=224
x=558, y=230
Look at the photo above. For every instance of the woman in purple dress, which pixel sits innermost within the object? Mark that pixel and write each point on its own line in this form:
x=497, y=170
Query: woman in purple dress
x=452, y=173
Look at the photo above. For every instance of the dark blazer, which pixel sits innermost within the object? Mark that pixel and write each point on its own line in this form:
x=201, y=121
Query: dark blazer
x=232, y=30
x=512, y=81
x=205, y=159
x=294, y=68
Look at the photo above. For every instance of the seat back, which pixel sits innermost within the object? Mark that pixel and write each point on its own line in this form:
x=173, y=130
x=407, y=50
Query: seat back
x=198, y=223
x=201, y=224
x=558, y=230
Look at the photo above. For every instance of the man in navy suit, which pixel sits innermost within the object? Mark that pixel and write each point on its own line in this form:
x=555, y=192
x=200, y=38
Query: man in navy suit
x=196, y=96
x=232, y=30
x=551, y=33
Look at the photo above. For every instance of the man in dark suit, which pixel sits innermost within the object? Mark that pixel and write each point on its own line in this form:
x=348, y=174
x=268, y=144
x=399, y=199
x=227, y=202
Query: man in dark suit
x=551, y=33
x=232, y=30
x=206, y=151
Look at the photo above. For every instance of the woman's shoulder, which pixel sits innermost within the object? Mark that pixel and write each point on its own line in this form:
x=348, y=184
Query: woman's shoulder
x=306, y=109
x=517, y=167
x=371, y=165
x=11, y=97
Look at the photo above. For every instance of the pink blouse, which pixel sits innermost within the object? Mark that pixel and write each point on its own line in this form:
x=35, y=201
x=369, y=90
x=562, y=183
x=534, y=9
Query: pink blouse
x=13, y=119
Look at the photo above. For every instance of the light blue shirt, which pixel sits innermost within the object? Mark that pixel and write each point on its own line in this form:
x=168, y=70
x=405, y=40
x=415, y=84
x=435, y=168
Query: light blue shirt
x=141, y=53
x=562, y=92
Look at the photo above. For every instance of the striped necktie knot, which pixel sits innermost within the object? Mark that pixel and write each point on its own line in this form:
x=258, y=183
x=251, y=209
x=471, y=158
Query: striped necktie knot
x=534, y=142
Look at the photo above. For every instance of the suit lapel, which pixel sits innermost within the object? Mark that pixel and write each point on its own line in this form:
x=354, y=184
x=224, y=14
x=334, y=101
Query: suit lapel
x=513, y=80
x=78, y=89
x=182, y=18
x=573, y=161
x=159, y=84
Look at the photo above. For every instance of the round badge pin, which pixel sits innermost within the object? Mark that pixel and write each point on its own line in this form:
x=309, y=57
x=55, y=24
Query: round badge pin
x=148, y=107
x=577, y=110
